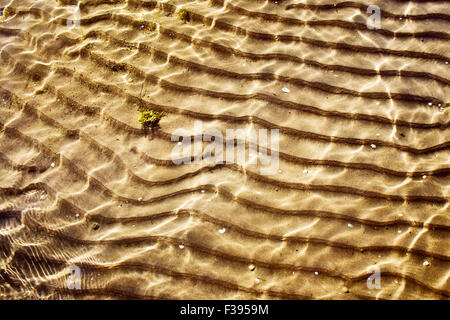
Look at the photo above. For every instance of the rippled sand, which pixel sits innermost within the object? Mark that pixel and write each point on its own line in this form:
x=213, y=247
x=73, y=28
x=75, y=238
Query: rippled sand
x=363, y=176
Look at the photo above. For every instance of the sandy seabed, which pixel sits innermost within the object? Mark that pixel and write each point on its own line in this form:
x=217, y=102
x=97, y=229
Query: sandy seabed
x=363, y=177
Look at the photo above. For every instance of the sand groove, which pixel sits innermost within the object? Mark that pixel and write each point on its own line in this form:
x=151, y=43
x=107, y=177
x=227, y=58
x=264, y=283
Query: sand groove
x=82, y=183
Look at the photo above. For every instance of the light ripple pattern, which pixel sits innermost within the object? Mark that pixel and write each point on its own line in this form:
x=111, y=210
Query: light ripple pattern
x=364, y=139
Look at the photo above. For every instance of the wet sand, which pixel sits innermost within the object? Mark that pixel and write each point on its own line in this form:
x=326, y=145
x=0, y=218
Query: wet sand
x=364, y=171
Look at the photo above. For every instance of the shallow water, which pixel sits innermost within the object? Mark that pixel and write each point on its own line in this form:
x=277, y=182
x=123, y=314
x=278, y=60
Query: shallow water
x=362, y=180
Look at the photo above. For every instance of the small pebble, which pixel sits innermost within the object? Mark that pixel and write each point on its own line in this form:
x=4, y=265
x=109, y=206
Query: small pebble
x=305, y=171
x=77, y=215
x=373, y=146
x=140, y=199
x=400, y=214
x=222, y=230
x=279, y=171
x=251, y=267
x=426, y=263
x=286, y=90
x=441, y=109
x=446, y=62
x=424, y=176
x=181, y=246
x=430, y=103
x=203, y=191
x=377, y=103
x=399, y=231
x=377, y=134
x=142, y=27
x=350, y=225
x=257, y=280
x=345, y=290
x=180, y=143
x=316, y=273
x=52, y=165
x=43, y=197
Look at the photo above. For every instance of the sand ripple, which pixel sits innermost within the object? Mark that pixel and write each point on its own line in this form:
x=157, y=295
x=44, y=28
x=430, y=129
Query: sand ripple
x=363, y=178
